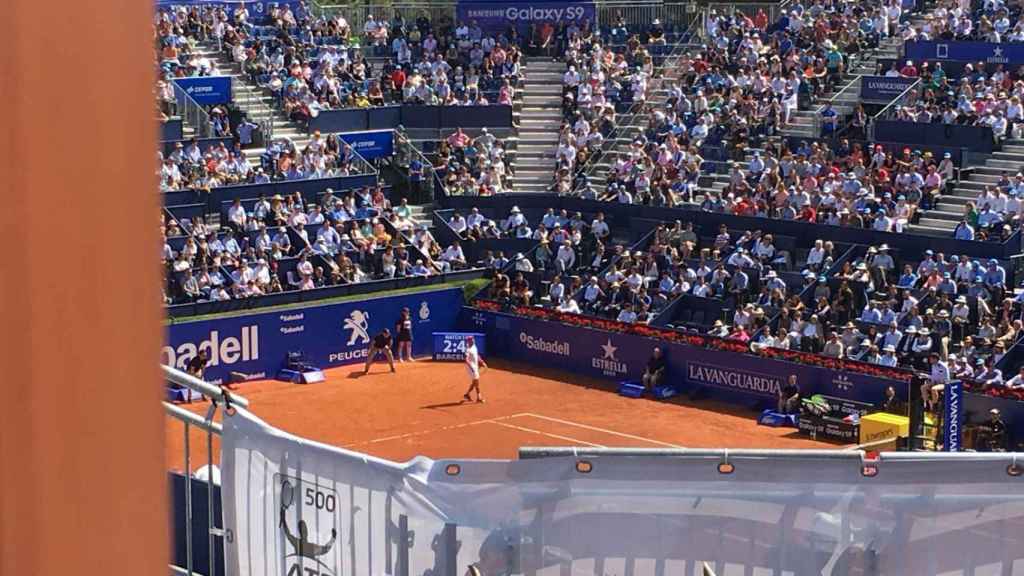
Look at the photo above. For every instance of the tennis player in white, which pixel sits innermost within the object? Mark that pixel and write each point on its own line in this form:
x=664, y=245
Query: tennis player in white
x=473, y=365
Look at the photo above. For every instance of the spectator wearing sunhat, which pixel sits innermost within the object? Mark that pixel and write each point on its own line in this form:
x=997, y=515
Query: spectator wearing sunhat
x=922, y=346
x=888, y=357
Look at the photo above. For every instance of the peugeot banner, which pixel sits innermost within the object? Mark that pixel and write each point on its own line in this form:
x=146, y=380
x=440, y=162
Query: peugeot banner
x=331, y=335
x=497, y=17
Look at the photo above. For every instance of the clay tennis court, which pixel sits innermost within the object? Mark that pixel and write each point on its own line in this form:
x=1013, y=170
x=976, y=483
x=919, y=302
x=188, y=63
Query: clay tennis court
x=418, y=412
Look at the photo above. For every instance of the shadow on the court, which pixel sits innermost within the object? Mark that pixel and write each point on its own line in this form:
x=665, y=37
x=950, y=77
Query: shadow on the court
x=446, y=405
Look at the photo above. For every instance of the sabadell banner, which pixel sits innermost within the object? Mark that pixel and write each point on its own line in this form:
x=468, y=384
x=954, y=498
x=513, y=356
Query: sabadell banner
x=331, y=335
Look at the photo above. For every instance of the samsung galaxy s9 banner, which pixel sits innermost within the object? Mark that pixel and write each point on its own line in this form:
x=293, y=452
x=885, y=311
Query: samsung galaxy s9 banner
x=499, y=16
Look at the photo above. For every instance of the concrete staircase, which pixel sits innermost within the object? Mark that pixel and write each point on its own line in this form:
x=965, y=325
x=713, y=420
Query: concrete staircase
x=539, y=123
x=256, y=101
x=802, y=123
x=942, y=220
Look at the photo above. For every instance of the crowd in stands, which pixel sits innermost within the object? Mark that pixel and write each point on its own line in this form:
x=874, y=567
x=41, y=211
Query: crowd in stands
x=599, y=80
x=287, y=243
x=193, y=167
x=990, y=21
x=744, y=86
x=976, y=98
x=320, y=63
x=881, y=307
x=473, y=166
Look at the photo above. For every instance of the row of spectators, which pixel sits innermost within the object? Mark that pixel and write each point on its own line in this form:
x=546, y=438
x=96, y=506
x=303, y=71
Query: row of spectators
x=194, y=167
x=995, y=21
x=473, y=166
x=976, y=98
x=317, y=63
x=286, y=243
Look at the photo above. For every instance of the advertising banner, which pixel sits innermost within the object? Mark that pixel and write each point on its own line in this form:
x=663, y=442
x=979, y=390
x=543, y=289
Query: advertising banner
x=883, y=89
x=953, y=417
x=371, y=144
x=296, y=507
x=330, y=335
x=988, y=52
x=256, y=8
x=496, y=17
x=207, y=90
x=729, y=376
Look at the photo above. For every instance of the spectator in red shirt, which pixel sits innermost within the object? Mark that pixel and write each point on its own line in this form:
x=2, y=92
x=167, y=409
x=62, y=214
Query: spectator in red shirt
x=808, y=214
x=909, y=71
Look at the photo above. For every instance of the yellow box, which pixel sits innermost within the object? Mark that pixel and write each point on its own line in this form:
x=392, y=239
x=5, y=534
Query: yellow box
x=882, y=426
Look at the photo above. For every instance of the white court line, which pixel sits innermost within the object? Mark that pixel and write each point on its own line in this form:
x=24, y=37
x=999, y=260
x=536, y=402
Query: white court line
x=433, y=431
x=558, y=436
x=603, y=430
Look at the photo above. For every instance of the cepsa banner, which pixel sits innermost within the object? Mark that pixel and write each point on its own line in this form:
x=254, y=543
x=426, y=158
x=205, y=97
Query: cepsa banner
x=497, y=17
x=371, y=144
x=207, y=90
x=332, y=335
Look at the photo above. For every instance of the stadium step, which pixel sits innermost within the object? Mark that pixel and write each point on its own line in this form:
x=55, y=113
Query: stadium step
x=256, y=103
x=539, y=123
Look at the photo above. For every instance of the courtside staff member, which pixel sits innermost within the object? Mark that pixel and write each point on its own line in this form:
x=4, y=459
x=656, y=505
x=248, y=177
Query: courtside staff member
x=403, y=335
x=380, y=344
x=196, y=367
x=473, y=364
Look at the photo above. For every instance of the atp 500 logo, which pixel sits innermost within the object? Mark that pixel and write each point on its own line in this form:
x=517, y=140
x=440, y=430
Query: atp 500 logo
x=308, y=527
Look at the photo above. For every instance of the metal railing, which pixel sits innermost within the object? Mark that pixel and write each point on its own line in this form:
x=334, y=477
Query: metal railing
x=852, y=86
x=192, y=113
x=357, y=14
x=252, y=102
x=633, y=118
x=905, y=97
x=642, y=13
x=432, y=183
x=219, y=397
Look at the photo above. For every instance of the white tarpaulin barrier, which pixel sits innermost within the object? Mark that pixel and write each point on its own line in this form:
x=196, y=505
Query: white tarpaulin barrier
x=293, y=507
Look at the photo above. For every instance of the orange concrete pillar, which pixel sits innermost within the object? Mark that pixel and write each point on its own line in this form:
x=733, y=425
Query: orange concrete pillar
x=82, y=487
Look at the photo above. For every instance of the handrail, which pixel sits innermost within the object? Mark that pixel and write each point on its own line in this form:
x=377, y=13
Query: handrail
x=898, y=101
x=189, y=381
x=610, y=143
x=192, y=112
x=854, y=82
x=405, y=146
x=254, y=105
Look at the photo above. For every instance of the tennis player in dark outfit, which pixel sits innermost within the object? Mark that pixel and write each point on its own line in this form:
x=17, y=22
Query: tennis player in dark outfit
x=403, y=336
x=380, y=344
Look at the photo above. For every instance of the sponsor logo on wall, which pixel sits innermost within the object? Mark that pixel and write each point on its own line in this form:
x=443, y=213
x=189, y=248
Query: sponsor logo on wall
x=732, y=379
x=292, y=327
x=842, y=382
x=607, y=362
x=222, y=349
x=556, y=347
x=424, y=312
x=357, y=327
